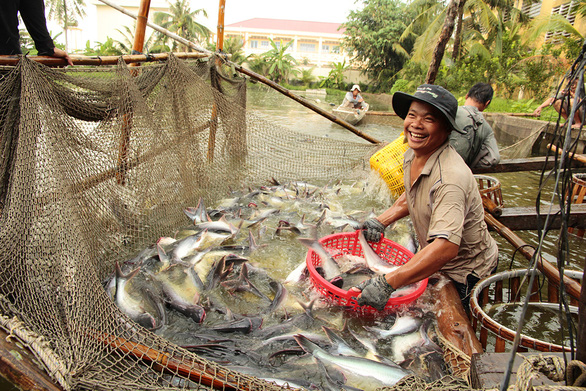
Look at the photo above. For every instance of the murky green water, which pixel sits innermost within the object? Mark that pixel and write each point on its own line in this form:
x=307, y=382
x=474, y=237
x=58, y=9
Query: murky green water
x=518, y=189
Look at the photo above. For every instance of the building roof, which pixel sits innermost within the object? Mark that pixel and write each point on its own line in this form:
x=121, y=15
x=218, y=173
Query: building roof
x=289, y=25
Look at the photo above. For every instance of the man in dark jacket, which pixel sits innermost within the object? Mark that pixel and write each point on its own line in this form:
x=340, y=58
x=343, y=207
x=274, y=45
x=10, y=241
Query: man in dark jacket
x=32, y=13
x=473, y=138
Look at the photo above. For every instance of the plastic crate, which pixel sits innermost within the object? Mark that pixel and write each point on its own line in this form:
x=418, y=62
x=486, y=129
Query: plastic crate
x=389, y=163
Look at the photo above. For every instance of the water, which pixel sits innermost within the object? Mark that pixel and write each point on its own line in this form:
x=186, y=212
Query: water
x=518, y=189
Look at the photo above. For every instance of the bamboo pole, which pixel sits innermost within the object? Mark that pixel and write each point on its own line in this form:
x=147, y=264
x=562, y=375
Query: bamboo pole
x=306, y=103
x=255, y=76
x=139, y=34
x=220, y=47
x=197, y=372
x=159, y=28
x=571, y=155
x=551, y=272
x=97, y=61
x=220, y=44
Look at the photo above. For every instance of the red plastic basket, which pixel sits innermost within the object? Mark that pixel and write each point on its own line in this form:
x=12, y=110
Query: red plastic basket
x=348, y=243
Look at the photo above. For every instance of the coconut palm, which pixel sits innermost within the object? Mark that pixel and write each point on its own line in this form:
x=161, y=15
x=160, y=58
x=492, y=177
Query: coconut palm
x=479, y=21
x=66, y=12
x=128, y=43
x=181, y=21
x=234, y=46
x=307, y=76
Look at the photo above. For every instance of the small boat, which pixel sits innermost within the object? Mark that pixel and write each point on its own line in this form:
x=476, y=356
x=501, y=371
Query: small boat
x=352, y=116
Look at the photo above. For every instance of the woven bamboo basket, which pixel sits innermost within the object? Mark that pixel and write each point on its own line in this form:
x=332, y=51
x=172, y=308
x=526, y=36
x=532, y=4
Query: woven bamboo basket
x=504, y=287
x=491, y=188
x=578, y=197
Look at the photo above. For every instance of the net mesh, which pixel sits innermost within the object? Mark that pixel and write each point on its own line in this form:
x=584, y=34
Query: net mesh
x=99, y=163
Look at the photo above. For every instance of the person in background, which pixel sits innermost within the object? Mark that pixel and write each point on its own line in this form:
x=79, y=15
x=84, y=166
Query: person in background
x=473, y=137
x=441, y=197
x=563, y=103
x=32, y=13
x=353, y=98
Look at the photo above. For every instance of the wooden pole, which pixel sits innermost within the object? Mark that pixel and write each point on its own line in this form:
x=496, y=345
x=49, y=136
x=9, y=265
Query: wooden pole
x=581, y=337
x=197, y=372
x=97, y=61
x=220, y=47
x=305, y=103
x=220, y=44
x=141, y=22
x=19, y=366
x=571, y=155
x=551, y=272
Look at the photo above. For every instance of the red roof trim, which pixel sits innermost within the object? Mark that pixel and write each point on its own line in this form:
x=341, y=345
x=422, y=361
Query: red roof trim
x=289, y=25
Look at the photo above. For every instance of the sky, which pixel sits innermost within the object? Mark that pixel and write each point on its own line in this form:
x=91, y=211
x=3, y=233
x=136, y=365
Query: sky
x=333, y=11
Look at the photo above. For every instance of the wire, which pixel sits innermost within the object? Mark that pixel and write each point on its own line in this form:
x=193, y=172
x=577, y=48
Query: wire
x=562, y=173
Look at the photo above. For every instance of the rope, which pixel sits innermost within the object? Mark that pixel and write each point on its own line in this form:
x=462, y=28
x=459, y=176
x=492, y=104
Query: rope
x=551, y=366
x=38, y=346
x=573, y=380
x=460, y=362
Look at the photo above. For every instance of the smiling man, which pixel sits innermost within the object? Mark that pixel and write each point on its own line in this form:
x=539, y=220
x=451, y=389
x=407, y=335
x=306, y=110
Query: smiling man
x=442, y=198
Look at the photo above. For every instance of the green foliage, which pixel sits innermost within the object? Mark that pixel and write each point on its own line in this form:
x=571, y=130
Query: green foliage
x=335, y=78
x=258, y=64
x=181, y=21
x=401, y=85
x=108, y=48
x=307, y=76
x=66, y=12
x=523, y=106
x=27, y=45
x=234, y=46
x=281, y=64
x=373, y=38
x=127, y=43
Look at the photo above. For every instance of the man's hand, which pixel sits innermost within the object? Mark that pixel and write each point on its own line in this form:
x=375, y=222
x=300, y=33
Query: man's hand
x=373, y=230
x=376, y=292
x=62, y=54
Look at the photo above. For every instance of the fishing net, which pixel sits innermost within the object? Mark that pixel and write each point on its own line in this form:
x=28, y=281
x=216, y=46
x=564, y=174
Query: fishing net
x=97, y=164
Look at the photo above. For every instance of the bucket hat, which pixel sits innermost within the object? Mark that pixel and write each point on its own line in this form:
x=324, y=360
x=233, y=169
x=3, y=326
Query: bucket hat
x=437, y=96
x=355, y=87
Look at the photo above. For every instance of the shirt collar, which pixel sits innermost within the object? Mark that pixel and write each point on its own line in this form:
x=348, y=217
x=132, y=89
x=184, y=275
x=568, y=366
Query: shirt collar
x=409, y=155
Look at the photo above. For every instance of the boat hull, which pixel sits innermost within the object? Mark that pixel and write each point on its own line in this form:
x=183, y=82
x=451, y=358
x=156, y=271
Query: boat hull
x=352, y=116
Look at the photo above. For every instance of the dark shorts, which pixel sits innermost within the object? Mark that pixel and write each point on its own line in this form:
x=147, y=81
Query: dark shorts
x=465, y=289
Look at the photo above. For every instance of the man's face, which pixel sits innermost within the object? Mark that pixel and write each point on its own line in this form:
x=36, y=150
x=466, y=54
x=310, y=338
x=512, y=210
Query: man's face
x=355, y=92
x=425, y=128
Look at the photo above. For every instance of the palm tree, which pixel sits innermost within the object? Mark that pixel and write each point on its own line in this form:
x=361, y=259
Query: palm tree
x=128, y=43
x=478, y=20
x=234, y=47
x=281, y=63
x=307, y=76
x=181, y=21
x=66, y=13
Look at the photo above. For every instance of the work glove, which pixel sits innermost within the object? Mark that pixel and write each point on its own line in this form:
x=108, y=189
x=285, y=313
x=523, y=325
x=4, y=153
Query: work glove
x=373, y=230
x=376, y=292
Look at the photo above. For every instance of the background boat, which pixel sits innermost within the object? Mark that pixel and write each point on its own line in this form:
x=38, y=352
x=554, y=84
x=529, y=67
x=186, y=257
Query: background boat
x=352, y=116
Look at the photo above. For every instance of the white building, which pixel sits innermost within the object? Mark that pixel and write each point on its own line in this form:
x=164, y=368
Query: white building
x=315, y=44
x=102, y=22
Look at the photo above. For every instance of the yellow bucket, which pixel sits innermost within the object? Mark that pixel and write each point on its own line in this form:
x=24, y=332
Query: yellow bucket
x=389, y=163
